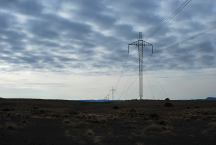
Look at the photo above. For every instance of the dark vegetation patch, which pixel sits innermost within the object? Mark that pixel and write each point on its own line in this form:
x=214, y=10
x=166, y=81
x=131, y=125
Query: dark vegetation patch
x=115, y=107
x=154, y=116
x=168, y=103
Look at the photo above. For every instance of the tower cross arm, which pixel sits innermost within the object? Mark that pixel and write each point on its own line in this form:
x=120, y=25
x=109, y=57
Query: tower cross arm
x=149, y=44
x=132, y=44
x=144, y=43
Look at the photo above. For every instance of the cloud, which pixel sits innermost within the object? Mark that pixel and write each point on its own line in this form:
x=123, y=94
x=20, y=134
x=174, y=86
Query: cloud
x=25, y=7
x=92, y=36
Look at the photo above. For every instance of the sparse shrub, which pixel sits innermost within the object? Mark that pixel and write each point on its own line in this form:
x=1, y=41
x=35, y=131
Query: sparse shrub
x=24, y=122
x=66, y=115
x=67, y=132
x=53, y=115
x=35, y=108
x=157, y=129
x=139, y=143
x=168, y=104
x=162, y=122
x=210, y=130
x=94, y=118
x=11, y=126
x=167, y=99
x=115, y=107
x=90, y=133
x=154, y=116
x=18, y=115
x=132, y=113
x=153, y=128
x=7, y=109
x=66, y=121
x=42, y=111
x=91, y=117
x=73, y=113
x=8, y=114
x=194, y=117
x=38, y=111
x=132, y=110
x=97, y=139
x=81, y=116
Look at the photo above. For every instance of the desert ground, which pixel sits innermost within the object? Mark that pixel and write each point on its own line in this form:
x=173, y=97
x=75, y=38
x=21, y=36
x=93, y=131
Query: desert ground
x=147, y=122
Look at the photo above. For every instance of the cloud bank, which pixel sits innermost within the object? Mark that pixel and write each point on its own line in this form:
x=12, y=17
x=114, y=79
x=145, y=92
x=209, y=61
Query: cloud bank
x=92, y=36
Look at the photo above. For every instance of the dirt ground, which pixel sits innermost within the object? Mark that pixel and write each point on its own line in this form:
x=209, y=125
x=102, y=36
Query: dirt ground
x=56, y=122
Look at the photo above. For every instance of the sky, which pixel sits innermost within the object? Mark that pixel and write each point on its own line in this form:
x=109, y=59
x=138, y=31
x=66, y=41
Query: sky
x=77, y=49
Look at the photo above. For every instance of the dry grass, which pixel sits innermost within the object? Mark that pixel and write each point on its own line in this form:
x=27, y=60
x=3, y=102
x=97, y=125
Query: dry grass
x=97, y=139
x=67, y=121
x=211, y=129
x=115, y=107
x=11, y=126
x=154, y=116
x=139, y=143
x=154, y=129
x=141, y=123
x=168, y=104
x=89, y=133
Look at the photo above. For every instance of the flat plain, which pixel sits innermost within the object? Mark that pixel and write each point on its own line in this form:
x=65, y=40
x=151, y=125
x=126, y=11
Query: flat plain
x=146, y=122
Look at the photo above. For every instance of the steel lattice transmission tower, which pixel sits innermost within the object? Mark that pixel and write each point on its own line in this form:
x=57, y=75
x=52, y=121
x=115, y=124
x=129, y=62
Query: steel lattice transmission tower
x=113, y=90
x=140, y=44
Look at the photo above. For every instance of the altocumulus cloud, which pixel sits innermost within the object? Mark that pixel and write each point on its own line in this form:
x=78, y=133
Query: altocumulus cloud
x=92, y=35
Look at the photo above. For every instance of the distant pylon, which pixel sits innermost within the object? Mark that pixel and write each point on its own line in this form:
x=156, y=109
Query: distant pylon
x=107, y=97
x=140, y=44
x=113, y=90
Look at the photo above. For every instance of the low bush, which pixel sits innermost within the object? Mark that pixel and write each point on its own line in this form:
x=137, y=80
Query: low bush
x=115, y=107
x=168, y=104
x=154, y=116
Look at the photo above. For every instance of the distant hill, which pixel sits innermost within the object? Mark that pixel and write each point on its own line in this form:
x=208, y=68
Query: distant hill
x=96, y=101
x=211, y=98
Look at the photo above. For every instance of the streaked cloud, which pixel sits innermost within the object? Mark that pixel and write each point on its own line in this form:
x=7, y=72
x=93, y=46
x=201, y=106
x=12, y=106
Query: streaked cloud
x=85, y=35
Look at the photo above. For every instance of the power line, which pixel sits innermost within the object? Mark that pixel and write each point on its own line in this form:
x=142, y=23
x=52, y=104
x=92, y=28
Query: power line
x=116, y=84
x=179, y=10
x=128, y=88
x=150, y=88
x=176, y=12
x=172, y=17
x=167, y=20
x=199, y=34
x=163, y=89
x=121, y=73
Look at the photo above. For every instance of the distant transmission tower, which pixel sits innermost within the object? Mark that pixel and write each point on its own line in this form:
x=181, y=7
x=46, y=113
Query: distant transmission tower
x=140, y=44
x=113, y=90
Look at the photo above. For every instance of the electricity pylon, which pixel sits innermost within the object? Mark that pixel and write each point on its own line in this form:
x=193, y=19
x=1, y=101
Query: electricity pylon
x=113, y=90
x=140, y=44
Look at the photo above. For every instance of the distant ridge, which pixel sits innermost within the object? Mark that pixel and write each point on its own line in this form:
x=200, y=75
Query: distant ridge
x=211, y=98
x=95, y=100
